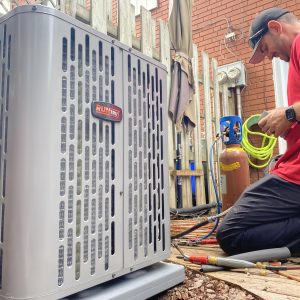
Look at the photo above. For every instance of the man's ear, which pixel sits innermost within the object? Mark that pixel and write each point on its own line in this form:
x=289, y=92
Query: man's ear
x=275, y=27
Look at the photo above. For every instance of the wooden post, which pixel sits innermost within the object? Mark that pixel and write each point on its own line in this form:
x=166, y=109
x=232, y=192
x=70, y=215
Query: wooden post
x=69, y=7
x=133, y=29
x=99, y=15
x=200, y=187
x=153, y=25
x=124, y=22
x=214, y=65
x=63, y=6
x=109, y=10
x=146, y=29
x=208, y=119
x=165, y=58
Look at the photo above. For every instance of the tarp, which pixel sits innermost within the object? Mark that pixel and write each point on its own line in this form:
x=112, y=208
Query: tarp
x=181, y=104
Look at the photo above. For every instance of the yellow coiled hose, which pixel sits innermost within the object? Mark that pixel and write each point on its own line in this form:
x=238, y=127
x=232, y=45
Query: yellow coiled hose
x=265, y=151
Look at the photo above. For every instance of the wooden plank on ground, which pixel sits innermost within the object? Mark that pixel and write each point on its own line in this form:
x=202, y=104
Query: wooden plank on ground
x=271, y=286
x=208, y=119
x=200, y=189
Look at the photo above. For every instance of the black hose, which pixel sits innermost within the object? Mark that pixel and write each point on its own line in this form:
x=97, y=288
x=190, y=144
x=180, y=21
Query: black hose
x=194, y=209
x=205, y=222
x=253, y=256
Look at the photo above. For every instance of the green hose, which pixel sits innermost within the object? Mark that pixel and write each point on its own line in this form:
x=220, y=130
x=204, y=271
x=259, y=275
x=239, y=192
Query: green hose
x=262, y=153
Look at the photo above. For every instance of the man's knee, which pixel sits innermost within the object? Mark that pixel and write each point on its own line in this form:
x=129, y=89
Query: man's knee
x=227, y=239
x=221, y=237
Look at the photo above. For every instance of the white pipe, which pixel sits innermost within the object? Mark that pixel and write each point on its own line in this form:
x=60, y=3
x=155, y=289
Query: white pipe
x=238, y=101
x=225, y=99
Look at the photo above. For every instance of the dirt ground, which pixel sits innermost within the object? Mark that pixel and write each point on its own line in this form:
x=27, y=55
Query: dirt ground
x=200, y=286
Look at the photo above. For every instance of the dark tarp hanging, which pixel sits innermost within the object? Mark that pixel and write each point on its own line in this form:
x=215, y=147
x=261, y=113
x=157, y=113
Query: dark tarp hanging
x=181, y=104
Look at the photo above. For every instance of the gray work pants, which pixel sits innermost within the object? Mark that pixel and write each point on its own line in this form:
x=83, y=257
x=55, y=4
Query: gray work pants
x=267, y=215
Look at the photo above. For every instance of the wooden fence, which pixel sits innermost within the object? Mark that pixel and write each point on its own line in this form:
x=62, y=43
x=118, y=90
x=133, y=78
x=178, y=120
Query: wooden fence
x=98, y=13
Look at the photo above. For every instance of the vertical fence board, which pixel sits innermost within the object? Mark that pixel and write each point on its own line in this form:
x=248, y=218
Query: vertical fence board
x=217, y=115
x=69, y=7
x=166, y=60
x=153, y=25
x=133, y=29
x=146, y=32
x=6, y=5
x=109, y=10
x=99, y=15
x=63, y=6
x=208, y=119
x=200, y=188
x=185, y=163
x=124, y=22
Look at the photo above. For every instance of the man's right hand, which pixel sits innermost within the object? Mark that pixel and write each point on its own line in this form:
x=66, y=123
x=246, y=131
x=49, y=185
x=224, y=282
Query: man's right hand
x=275, y=122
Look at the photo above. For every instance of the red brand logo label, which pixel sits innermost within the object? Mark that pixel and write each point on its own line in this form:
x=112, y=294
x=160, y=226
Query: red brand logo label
x=106, y=111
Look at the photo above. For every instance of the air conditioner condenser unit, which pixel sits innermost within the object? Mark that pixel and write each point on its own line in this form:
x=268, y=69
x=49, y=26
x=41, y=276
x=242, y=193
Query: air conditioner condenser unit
x=83, y=156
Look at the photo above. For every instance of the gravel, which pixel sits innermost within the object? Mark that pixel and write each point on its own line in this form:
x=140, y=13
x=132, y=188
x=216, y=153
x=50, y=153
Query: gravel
x=199, y=286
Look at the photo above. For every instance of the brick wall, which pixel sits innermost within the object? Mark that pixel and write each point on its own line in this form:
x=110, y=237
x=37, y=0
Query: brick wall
x=210, y=21
x=210, y=24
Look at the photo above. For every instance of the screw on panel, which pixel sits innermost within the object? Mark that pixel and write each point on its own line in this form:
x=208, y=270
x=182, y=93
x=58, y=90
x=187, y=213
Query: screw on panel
x=34, y=8
x=131, y=269
x=121, y=193
x=113, y=275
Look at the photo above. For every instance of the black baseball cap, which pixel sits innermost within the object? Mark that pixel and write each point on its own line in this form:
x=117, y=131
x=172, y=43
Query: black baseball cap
x=259, y=28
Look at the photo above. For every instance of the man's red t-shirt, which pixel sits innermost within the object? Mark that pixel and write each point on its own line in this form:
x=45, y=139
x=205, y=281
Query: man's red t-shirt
x=288, y=166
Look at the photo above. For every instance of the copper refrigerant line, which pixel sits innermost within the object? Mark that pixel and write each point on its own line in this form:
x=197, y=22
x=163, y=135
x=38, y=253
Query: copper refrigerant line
x=231, y=263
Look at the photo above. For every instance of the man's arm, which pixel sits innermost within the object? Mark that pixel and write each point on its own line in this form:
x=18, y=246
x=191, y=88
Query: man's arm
x=276, y=122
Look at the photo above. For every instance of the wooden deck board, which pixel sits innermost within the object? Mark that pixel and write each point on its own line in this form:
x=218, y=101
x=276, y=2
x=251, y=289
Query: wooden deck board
x=270, y=286
x=267, y=286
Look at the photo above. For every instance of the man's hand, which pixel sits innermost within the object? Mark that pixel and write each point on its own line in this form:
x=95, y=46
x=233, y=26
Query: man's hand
x=275, y=122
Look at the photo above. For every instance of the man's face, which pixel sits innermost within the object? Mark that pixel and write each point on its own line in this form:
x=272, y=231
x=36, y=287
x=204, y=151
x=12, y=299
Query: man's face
x=274, y=45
